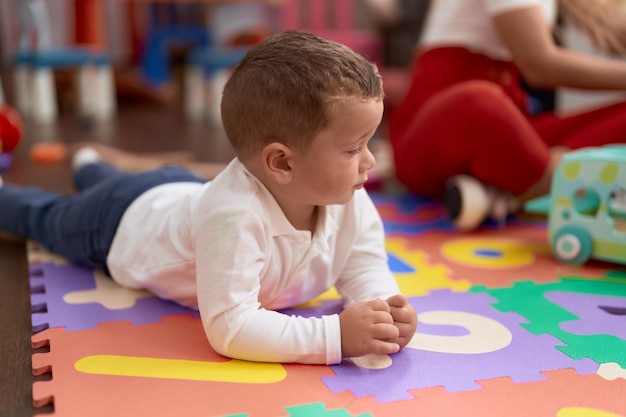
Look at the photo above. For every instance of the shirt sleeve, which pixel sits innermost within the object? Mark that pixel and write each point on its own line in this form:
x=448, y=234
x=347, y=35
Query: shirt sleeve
x=232, y=247
x=366, y=275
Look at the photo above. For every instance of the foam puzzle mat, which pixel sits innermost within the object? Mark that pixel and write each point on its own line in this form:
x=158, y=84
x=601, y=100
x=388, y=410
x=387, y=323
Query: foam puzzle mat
x=504, y=330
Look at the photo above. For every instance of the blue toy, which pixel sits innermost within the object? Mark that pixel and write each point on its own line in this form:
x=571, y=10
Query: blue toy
x=587, y=206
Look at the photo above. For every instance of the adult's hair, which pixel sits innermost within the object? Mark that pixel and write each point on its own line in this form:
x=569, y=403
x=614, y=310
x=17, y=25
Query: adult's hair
x=284, y=88
x=602, y=21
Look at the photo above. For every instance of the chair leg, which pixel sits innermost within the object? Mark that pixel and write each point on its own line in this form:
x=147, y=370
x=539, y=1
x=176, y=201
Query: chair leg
x=96, y=92
x=22, y=82
x=86, y=98
x=106, y=106
x=44, y=105
x=216, y=88
x=194, y=93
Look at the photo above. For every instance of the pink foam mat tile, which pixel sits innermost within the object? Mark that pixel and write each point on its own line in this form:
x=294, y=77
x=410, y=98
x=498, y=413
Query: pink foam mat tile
x=562, y=393
x=165, y=369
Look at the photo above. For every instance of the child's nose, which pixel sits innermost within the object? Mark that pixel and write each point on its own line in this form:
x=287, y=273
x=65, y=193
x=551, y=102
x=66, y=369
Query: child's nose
x=369, y=160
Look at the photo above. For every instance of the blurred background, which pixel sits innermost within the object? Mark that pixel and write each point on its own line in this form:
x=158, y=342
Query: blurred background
x=146, y=75
x=150, y=45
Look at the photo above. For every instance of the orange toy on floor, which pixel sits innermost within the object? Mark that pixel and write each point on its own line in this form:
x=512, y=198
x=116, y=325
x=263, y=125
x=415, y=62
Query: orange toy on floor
x=48, y=152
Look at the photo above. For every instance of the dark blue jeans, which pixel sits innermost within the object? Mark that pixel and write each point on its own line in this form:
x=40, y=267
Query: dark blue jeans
x=81, y=226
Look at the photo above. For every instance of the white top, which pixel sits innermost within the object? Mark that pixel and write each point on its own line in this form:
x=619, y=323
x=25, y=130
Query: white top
x=229, y=239
x=468, y=23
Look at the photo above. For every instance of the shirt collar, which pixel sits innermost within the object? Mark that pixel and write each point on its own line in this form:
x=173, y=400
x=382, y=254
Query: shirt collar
x=280, y=225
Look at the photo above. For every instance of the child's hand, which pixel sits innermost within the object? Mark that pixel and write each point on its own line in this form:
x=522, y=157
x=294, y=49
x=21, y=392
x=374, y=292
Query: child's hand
x=367, y=328
x=404, y=318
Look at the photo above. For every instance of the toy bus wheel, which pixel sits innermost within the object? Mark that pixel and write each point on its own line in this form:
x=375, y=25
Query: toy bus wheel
x=572, y=245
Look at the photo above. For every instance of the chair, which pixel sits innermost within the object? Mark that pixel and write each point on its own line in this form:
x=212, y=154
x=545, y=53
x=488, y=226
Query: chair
x=166, y=31
x=36, y=92
x=205, y=77
x=334, y=20
x=234, y=27
x=34, y=66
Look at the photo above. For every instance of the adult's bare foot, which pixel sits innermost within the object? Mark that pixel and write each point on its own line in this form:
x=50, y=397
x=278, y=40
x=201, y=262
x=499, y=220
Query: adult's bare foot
x=544, y=185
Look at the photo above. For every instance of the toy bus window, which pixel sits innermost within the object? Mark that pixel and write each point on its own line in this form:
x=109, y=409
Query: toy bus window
x=586, y=201
x=617, y=209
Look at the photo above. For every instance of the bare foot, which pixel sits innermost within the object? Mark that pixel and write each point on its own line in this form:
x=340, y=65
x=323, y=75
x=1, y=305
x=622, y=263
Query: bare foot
x=207, y=170
x=138, y=162
x=131, y=161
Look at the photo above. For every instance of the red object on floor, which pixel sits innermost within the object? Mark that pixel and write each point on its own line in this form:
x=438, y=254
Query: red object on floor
x=10, y=128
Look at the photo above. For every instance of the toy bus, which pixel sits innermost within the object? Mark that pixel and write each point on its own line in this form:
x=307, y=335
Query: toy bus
x=587, y=206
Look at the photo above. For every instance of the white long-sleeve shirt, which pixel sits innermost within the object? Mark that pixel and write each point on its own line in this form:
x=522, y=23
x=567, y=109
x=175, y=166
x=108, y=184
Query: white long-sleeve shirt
x=226, y=248
x=468, y=23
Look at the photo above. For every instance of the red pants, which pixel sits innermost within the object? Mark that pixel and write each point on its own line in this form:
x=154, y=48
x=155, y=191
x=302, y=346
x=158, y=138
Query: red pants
x=465, y=113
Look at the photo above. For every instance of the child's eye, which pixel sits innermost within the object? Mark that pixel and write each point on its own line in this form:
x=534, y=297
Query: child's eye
x=355, y=151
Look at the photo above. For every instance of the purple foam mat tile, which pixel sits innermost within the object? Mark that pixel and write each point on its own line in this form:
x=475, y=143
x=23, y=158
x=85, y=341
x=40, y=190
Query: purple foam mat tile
x=522, y=359
x=594, y=313
x=50, y=309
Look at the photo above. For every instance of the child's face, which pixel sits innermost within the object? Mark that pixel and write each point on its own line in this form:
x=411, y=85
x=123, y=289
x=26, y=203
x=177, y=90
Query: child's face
x=335, y=165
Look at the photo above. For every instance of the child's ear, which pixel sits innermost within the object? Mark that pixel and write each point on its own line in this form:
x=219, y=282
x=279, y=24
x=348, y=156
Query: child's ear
x=277, y=162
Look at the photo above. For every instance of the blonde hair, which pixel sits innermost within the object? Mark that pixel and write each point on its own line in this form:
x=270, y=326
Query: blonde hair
x=602, y=21
x=283, y=89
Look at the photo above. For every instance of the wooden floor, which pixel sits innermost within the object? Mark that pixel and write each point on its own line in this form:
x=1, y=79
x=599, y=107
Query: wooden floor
x=139, y=126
